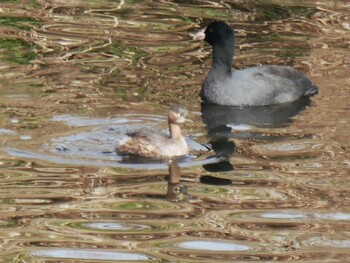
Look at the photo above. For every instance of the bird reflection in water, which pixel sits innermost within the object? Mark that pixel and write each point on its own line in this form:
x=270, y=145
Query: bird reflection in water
x=219, y=120
x=176, y=191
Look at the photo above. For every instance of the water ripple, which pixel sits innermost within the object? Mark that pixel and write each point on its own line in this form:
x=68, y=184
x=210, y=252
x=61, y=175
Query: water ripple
x=85, y=254
x=212, y=245
x=292, y=149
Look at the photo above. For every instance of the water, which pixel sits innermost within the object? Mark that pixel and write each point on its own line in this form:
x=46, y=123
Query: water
x=76, y=76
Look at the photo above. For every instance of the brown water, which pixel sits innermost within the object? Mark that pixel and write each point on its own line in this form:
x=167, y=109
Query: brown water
x=76, y=75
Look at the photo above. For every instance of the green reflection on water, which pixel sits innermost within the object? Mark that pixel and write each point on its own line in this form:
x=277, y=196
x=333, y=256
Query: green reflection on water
x=167, y=227
x=133, y=1
x=135, y=206
x=281, y=11
x=293, y=53
x=129, y=52
x=16, y=51
x=210, y=190
x=31, y=3
x=8, y=201
x=22, y=23
x=146, y=206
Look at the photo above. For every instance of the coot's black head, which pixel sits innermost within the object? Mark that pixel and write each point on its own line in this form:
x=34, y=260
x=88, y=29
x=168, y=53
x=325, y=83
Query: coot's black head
x=218, y=32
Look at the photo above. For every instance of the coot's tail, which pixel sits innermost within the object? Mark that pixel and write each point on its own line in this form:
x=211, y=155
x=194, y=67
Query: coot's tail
x=311, y=91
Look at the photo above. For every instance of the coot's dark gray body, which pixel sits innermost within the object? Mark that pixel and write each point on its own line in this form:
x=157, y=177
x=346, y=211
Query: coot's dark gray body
x=256, y=86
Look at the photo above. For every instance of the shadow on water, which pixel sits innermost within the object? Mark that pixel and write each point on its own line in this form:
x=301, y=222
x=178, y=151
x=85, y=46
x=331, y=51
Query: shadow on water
x=220, y=120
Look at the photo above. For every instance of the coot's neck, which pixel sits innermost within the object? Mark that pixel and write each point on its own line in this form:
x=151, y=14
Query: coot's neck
x=175, y=131
x=222, y=58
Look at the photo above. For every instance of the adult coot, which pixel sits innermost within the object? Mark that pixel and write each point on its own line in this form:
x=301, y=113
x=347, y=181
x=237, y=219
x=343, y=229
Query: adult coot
x=255, y=86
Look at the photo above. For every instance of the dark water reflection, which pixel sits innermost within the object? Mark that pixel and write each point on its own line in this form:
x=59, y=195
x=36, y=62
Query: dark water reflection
x=261, y=184
x=215, y=117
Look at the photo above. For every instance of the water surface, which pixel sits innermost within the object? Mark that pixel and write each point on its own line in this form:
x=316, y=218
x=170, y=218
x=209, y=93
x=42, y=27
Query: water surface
x=76, y=76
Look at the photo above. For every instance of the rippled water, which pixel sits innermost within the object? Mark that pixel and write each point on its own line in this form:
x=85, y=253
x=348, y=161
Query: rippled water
x=77, y=75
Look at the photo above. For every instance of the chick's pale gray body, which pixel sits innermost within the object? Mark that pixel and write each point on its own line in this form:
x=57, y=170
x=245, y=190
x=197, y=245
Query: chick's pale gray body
x=155, y=145
x=256, y=86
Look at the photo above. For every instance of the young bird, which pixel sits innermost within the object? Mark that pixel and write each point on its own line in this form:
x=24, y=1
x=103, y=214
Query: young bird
x=148, y=144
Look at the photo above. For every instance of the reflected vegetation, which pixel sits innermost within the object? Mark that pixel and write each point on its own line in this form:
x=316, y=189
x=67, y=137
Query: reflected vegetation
x=16, y=51
x=260, y=184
